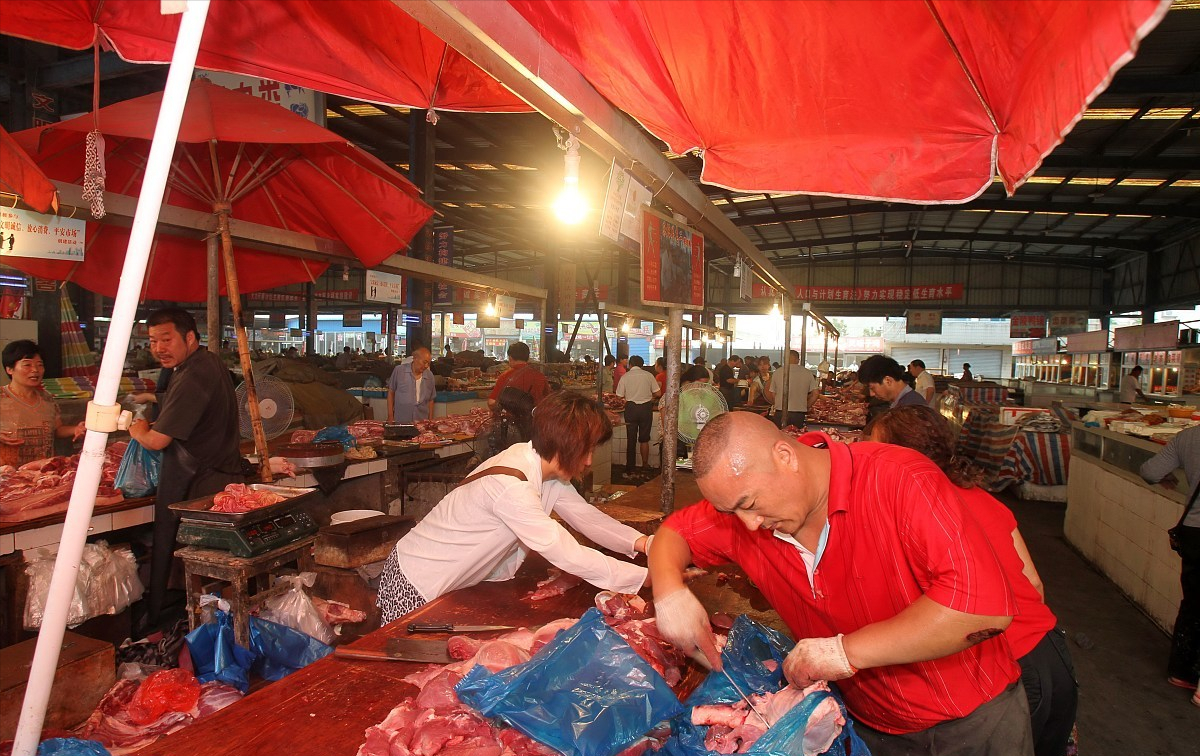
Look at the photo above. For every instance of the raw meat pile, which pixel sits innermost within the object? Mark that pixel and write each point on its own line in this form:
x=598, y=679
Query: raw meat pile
x=238, y=497
x=428, y=437
x=114, y=723
x=303, y=436
x=733, y=728
x=337, y=613
x=844, y=412
x=613, y=402
x=471, y=423
x=366, y=431
x=44, y=485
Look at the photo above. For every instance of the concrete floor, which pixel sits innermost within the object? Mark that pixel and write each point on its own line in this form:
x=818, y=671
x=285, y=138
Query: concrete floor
x=1126, y=707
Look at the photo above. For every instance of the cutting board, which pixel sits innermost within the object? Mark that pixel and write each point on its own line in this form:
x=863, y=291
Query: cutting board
x=401, y=649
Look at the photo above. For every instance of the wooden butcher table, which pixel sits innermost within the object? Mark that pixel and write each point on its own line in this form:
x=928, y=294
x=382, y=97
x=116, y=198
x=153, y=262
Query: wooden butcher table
x=325, y=708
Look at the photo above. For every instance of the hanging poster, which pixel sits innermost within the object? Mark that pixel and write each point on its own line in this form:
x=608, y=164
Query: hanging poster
x=672, y=263
x=1027, y=325
x=1065, y=323
x=506, y=307
x=624, y=199
x=565, y=289
x=352, y=318
x=300, y=100
x=443, y=254
x=24, y=233
x=923, y=321
x=745, y=281
x=925, y=293
x=383, y=287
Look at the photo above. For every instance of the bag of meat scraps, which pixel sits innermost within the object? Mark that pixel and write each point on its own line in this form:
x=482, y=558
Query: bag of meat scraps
x=282, y=650
x=801, y=722
x=70, y=747
x=138, y=474
x=586, y=693
x=214, y=654
x=293, y=608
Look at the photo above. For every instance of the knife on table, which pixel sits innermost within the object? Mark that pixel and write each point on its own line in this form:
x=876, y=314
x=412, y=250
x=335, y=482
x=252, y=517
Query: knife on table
x=440, y=627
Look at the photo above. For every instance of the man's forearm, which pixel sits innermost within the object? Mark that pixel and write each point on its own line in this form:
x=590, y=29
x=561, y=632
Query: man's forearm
x=925, y=630
x=669, y=556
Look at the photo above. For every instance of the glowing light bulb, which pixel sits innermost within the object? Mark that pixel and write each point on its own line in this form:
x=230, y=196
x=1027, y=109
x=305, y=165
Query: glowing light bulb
x=775, y=310
x=625, y=327
x=490, y=309
x=570, y=207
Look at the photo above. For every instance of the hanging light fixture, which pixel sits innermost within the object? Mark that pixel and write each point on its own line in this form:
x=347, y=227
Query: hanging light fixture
x=625, y=327
x=345, y=272
x=490, y=310
x=775, y=312
x=570, y=207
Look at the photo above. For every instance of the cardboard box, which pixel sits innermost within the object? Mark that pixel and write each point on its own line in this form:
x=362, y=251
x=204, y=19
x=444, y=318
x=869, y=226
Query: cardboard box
x=86, y=671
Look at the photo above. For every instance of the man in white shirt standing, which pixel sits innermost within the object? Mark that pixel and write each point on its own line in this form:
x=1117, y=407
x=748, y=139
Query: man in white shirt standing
x=924, y=385
x=803, y=390
x=639, y=389
x=1131, y=386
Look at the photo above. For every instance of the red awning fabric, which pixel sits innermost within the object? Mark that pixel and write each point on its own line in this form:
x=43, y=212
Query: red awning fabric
x=19, y=175
x=365, y=49
x=922, y=101
x=275, y=169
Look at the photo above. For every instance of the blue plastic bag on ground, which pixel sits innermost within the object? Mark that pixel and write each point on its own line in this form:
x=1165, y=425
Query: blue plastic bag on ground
x=215, y=656
x=586, y=693
x=753, y=657
x=282, y=650
x=70, y=747
x=138, y=474
x=338, y=434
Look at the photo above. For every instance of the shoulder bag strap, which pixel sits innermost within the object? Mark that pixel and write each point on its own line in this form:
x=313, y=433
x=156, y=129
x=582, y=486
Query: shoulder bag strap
x=493, y=471
x=1191, y=502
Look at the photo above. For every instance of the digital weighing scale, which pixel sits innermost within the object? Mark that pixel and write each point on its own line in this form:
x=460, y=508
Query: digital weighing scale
x=247, y=534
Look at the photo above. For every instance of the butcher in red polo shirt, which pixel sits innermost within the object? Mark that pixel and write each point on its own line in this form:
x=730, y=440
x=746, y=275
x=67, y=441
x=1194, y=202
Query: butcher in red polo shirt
x=866, y=553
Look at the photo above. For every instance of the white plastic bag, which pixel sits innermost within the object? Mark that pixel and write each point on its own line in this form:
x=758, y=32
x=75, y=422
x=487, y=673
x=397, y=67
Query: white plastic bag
x=107, y=583
x=293, y=608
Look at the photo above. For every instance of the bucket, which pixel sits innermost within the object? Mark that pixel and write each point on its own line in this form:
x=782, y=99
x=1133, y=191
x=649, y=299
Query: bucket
x=350, y=515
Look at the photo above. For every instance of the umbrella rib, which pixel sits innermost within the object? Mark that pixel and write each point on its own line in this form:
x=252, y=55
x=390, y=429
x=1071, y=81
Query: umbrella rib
x=351, y=195
x=237, y=161
x=210, y=194
x=250, y=173
x=252, y=181
x=271, y=198
x=963, y=64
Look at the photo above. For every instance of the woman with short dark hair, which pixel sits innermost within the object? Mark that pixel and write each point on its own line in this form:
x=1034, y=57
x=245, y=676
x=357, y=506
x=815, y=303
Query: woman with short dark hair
x=29, y=417
x=484, y=528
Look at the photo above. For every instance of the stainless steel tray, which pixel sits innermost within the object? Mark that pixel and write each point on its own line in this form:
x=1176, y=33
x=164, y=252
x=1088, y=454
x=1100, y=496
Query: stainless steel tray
x=199, y=509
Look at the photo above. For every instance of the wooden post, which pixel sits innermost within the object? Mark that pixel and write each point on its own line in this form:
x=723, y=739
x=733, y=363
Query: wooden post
x=235, y=300
x=786, y=364
x=214, y=296
x=670, y=409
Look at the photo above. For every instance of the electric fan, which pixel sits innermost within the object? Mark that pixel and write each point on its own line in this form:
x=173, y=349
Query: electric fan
x=697, y=405
x=275, y=406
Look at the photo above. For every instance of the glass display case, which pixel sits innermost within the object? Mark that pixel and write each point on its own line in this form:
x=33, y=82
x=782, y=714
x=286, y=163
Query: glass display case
x=1093, y=370
x=1043, y=368
x=1165, y=372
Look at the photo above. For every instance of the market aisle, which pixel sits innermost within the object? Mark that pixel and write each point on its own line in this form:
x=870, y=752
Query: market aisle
x=1125, y=704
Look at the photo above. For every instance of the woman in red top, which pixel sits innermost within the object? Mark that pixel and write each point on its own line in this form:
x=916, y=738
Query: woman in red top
x=1040, y=648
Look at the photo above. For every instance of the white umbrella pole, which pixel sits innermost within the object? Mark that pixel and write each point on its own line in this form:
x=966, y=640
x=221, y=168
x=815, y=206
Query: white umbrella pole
x=103, y=408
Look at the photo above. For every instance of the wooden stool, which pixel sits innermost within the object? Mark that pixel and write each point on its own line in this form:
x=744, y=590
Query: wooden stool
x=249, y=578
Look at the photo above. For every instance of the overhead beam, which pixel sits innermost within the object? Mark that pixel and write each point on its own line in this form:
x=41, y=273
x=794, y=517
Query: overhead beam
x=78, y=71
x=494, y=36
x=431, y=271
x=1121, y=163
x=1153, y=85
x=905, y=235
x=932, y=253
x=1177, y=210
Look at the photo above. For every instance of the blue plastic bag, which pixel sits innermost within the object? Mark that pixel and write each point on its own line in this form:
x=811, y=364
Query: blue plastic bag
x=338, y=434
x=215, y=656
x=138, y=474
x=586, y=693
x=746, y=658
x=70, y=747
x=282, y=650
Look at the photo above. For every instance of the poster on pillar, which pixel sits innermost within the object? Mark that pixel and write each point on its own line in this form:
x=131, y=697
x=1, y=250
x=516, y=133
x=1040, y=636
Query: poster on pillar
x=672, y=263
x=383, y=287
x=443, y=254
x=565, y=290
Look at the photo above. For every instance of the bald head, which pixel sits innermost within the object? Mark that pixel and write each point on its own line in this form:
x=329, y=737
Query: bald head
x=741, y=438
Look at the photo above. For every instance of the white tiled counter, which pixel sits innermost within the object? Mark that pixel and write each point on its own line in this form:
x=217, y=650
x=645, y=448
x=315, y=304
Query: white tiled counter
x=1119, y=522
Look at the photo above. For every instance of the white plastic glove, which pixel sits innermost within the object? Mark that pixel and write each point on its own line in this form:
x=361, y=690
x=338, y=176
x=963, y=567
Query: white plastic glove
x=683, y=621
x=816, y=659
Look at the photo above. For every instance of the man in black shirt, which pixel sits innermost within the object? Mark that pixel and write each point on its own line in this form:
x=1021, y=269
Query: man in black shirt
x=727, y=380
x=196, y=429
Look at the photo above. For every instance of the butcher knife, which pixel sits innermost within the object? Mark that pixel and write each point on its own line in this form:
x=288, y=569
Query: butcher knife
x=745, y=698
x=401, y=649
x=446, y=627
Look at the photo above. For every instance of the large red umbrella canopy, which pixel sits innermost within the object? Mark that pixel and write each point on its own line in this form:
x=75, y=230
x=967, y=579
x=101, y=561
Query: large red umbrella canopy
x=19, y=175
x=272, y=167
x=366, y=49
x=917, y=100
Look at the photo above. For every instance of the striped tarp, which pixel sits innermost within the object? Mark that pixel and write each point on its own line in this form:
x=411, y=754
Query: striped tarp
x=1038, y=458
x=987, y=445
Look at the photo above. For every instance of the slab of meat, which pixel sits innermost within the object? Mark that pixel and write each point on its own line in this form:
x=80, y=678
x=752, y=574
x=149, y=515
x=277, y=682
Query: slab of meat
x=734, y=727
x=546, y=632
x=471, y=423
x=366, y=430
x=556, y=584
x=494, y=655
x=622, y=606
x=43, y=486
x=238, y=497
x=303, y=436
x=337, y=613
x=644, y=638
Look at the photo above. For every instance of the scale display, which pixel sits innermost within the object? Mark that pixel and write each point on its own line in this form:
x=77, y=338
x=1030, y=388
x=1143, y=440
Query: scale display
x=248, y=539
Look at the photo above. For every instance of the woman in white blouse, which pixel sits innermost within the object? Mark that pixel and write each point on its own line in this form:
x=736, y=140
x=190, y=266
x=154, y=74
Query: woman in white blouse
x=484, y=528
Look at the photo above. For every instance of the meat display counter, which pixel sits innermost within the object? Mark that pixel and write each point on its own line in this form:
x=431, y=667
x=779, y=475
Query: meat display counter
x=1119, y=522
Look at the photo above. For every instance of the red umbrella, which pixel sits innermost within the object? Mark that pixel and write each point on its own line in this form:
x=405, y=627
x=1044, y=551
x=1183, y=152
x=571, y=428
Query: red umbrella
x=236, y=155
x=894, y=100
x=20, y=176
x=365, y=49
x=271, y=167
